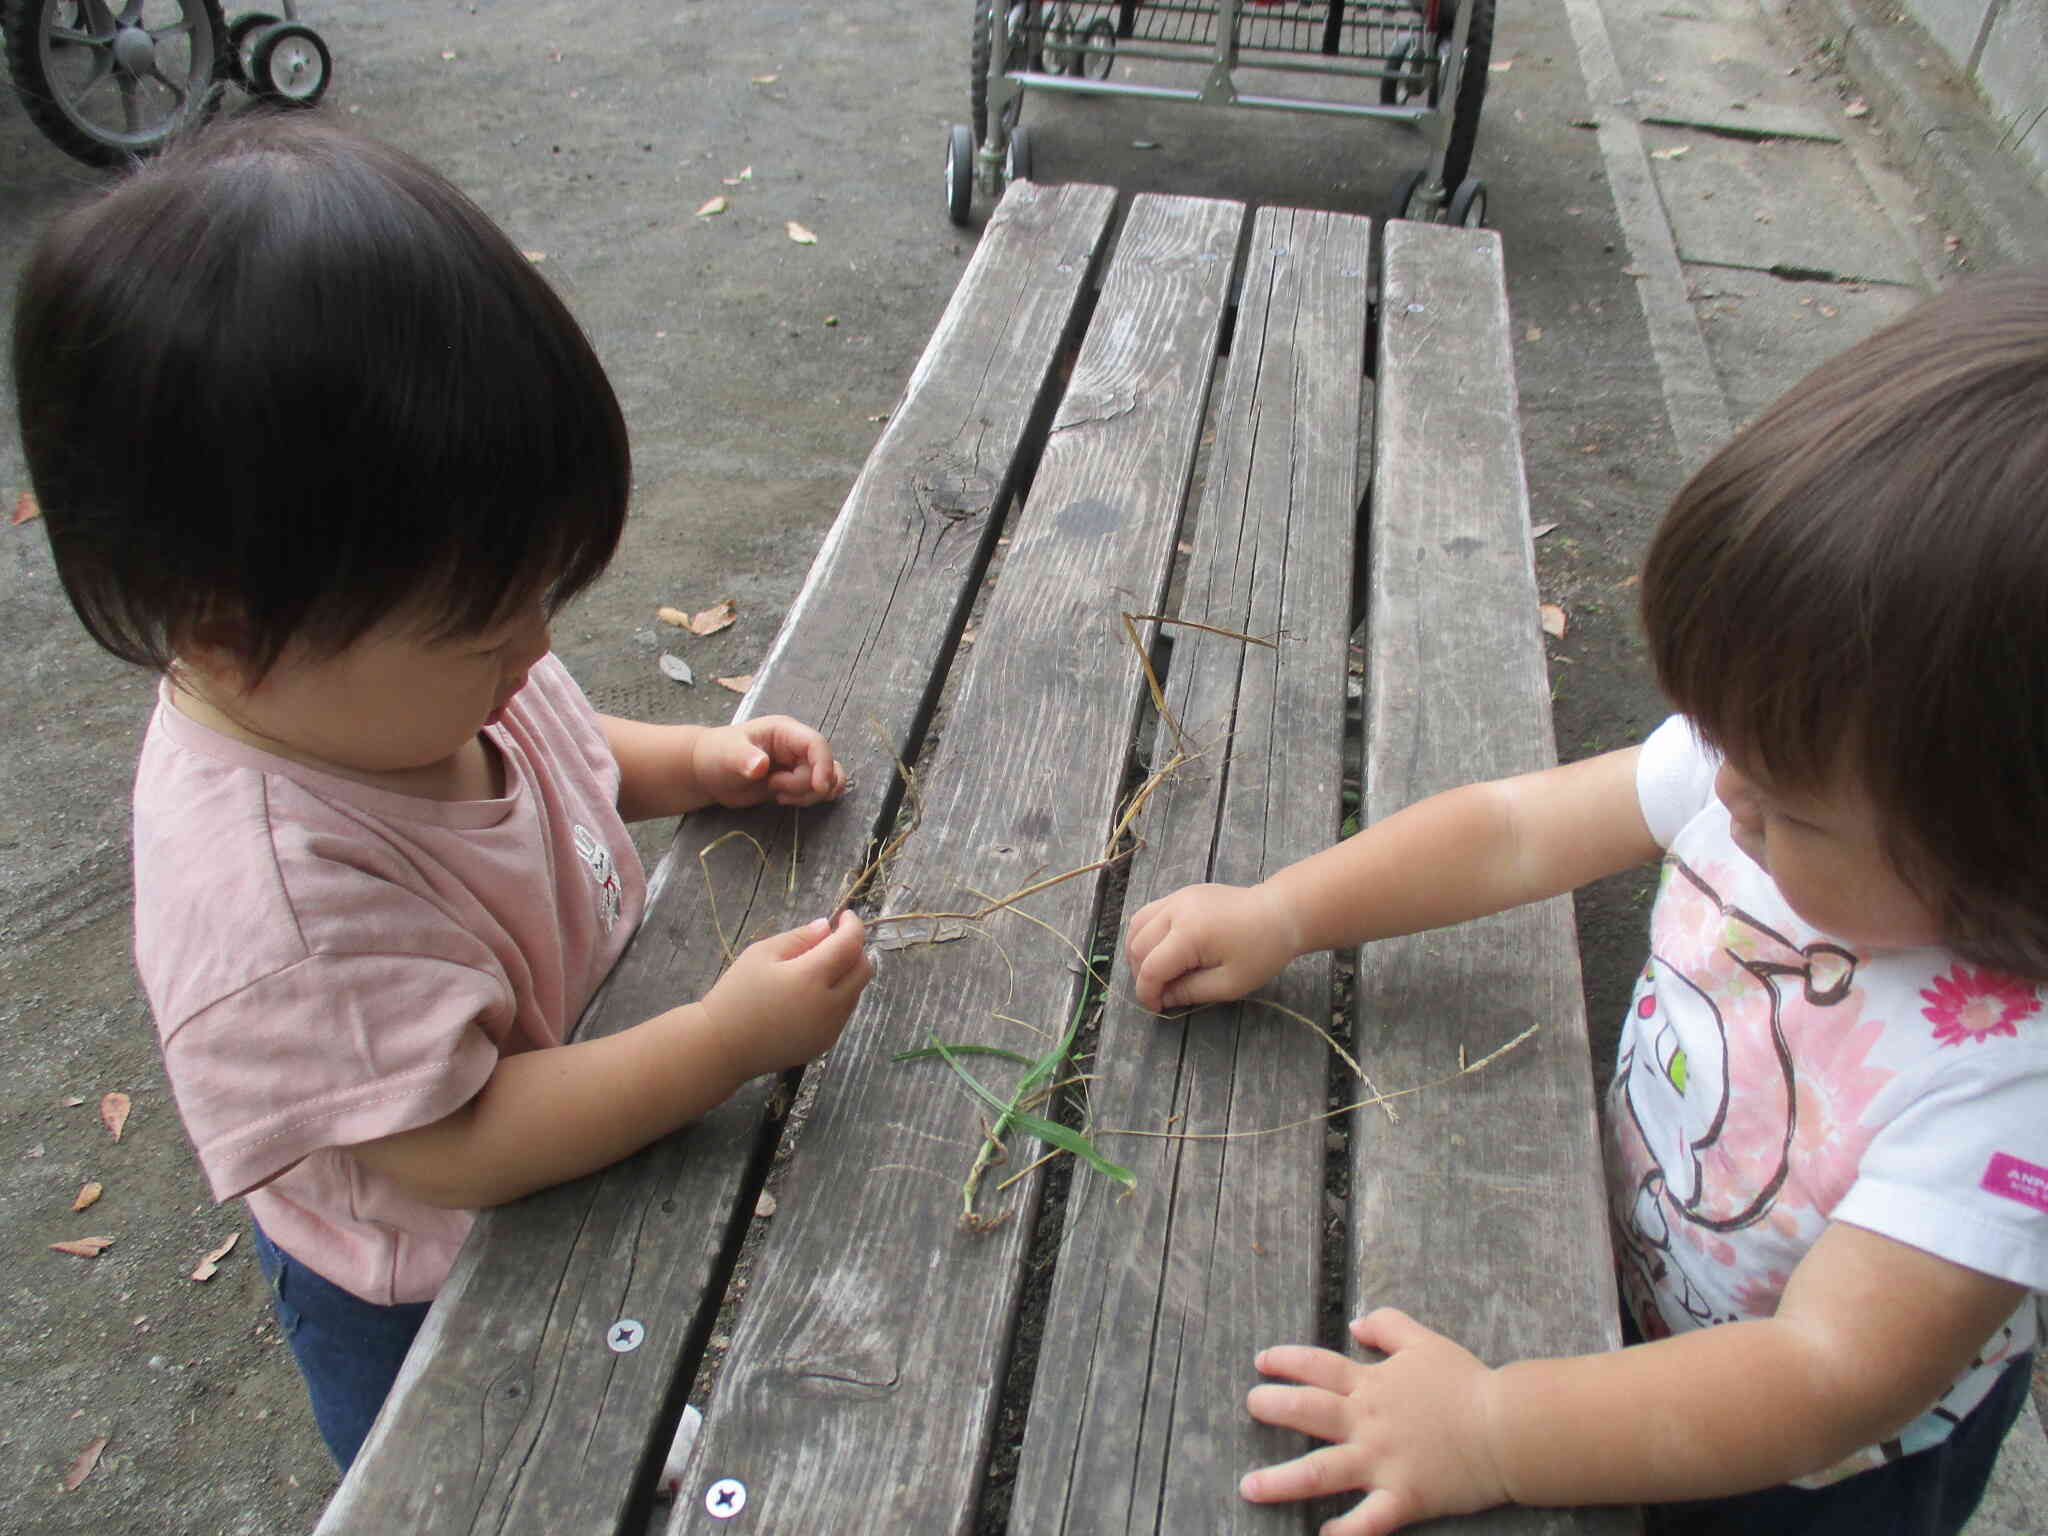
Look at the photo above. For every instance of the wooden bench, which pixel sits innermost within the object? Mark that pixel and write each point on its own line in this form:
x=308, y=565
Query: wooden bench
x=883, y=1364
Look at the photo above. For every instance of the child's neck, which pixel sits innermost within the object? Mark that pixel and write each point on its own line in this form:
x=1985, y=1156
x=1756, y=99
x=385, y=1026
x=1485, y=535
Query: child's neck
x=475, y=771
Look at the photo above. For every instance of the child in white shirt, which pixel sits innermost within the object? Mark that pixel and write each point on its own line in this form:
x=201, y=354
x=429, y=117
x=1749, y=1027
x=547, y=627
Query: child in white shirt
x=1828, y=1132
x=314, y=442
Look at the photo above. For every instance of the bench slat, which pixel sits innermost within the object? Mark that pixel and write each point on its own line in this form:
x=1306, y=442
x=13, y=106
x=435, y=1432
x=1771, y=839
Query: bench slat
x=862, y=1382
x=1162, y=1296
x=512, y=1414
x=1481, y=1211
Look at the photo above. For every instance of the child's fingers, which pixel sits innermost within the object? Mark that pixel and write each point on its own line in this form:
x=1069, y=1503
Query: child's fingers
x=1389, y=1329
x=1381, y=1511
x=1310, y=1410
x=795, y=942
x=1324, y=1470
x=1308, y=1365
x=841, y=954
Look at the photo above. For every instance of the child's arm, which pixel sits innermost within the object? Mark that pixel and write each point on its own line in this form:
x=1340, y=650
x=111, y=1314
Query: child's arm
x=547, y=1116
x=666, y=770
x=1868, y=1335
x=1467, y=852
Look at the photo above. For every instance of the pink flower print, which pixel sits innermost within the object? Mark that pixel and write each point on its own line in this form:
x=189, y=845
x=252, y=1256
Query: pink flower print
x=1975, y=1005
x=1758, y=1296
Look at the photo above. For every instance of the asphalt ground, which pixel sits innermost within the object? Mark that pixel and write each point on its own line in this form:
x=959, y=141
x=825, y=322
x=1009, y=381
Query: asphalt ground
x=1700, y=200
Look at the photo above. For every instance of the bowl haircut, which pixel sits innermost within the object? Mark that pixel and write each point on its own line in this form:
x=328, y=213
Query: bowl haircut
x=285, y=383
x=1856, y=588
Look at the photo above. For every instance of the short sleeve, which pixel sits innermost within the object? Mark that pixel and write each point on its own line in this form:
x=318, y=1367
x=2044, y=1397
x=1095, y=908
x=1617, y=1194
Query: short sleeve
x=1962, y=1170
x=1674, y=778
x=329, y=1052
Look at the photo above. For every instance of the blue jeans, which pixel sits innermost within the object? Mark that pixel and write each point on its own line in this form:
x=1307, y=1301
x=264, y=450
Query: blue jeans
x=1929, y=1493
x=349, y=1350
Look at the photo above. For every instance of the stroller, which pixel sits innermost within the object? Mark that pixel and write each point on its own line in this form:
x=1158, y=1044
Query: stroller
x=110, y=86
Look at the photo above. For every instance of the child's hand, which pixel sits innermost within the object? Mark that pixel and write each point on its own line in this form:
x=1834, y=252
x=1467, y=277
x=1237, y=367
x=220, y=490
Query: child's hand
x=769, y=758
x=1413, y=1429
x=1207, y=944
x=786, y=998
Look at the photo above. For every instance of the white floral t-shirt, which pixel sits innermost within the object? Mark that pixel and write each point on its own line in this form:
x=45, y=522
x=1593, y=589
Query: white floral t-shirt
x=1772, y=1080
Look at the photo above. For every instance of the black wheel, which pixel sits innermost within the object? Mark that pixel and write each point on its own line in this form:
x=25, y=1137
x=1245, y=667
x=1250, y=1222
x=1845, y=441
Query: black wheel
x=107, y=87
x=1059, y=56
x=1017, y=157
x=1098, y=58
x=981, y=51
x=1410, y=200
x=1461, y=81
x=959, y=173
x=1468, y=204
x=242, y=46
x=289, y=64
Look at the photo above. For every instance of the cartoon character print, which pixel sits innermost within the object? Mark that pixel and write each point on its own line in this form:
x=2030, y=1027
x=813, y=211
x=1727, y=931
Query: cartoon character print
x=610, y=889
x=1704, y=1163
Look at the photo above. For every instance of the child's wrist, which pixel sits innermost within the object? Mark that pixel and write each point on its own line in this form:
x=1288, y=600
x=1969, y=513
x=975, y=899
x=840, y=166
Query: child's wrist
x=1282, y=919
x=723, y=1041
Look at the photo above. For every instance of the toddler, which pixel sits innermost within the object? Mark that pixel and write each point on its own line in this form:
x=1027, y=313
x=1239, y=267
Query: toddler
x=315, y=443
x=1827, y=1136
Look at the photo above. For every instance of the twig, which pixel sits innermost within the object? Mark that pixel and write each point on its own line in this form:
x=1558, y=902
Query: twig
x=711, y=891
x=1331, y=1114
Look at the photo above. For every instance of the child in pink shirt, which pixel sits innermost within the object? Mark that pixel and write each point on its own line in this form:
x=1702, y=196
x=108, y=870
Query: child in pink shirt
x=314, y=442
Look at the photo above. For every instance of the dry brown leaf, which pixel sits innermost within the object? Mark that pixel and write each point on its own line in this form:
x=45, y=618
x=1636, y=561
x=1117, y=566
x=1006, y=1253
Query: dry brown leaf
x=26, y=508
x=210, y=1265
x=736, y=684
x=746, y=174
x=114, y=1112
x=72, y=1101
x=536, y=257
x=1534, y=333
x=84, y=1247
x=674, y=616
x=88, y=1194
x=799, y=234
x=1857, y=108
x=714, y=207
x=83, y=1463
x=766, y=79
x=1553, y=621
x=720, y=615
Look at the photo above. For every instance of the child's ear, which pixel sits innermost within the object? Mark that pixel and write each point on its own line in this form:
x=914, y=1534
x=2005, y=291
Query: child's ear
x=214, y=649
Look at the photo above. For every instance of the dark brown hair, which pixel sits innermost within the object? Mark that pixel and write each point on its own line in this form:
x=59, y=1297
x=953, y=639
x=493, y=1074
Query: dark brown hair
x=289, y=382
x=1858, y=583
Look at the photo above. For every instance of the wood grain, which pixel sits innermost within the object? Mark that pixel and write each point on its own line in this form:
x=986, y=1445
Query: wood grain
x=1481, y=1211
x=862, y=1380
x=1162, y=1296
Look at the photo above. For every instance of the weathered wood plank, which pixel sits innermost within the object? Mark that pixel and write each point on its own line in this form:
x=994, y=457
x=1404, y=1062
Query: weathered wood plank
x=1480, y=1211
x=512, y=1414
x=1162, y=1296
x=862, y=1380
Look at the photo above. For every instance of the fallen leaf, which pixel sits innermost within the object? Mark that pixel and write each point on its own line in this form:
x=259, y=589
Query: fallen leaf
x=1534, y=333
x=714, y=207
x=72, y=1101
x=799, y=234
x=210, y=1265
x=1501, y=66
x=676, y=669
x=87, y=1194
x=83, y=1463
x=674, y=616
x=1541, y=529
x=736, y=684
x=84, y=1247
x=536, y=257
x=1857, y=108
x=114, y=1112
x=766, y=79
x=765, y=1206
x=1677, y=153
x=1829, y=310
x=746, y=174
x=1553, y=621
x=447, y=53
x=720, y=615
x=26, y=508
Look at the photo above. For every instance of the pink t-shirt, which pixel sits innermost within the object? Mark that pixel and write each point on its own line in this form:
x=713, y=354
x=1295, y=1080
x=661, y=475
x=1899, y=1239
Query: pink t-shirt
x=330, y=963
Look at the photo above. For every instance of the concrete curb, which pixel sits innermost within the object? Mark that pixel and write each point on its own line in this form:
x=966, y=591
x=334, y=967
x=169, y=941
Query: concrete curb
x=1940, y=126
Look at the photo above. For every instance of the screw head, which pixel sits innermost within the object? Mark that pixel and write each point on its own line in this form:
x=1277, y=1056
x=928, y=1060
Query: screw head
x=725, y=1498
x=625, y=1335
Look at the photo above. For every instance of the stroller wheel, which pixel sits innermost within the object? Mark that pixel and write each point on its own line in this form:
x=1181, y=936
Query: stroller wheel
x=289, y=64
x=241, y=58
